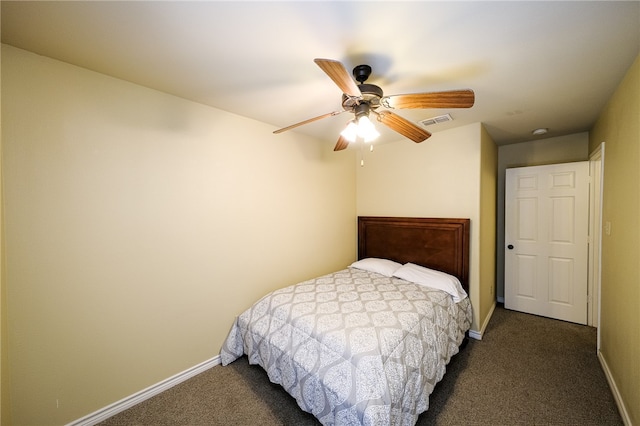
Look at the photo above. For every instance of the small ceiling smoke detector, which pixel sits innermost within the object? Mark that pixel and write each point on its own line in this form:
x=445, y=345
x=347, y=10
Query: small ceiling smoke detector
x=436, y=120
x=540, y=131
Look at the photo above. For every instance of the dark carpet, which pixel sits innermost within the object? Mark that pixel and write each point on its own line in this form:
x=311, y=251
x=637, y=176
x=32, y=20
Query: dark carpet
x=527, y=370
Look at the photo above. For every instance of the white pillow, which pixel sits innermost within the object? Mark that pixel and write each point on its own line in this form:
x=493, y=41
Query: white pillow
x=373, y=264
x=432, y=278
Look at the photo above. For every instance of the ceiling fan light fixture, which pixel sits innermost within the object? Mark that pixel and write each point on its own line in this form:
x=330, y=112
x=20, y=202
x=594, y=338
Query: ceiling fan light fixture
x=350, y=132
x=366, y=129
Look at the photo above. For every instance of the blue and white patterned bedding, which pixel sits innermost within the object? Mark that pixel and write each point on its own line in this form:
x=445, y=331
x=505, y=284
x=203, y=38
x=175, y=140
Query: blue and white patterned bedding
x=353, y=347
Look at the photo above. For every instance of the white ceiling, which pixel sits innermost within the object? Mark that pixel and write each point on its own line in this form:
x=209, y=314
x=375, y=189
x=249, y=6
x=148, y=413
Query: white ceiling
x=531, y=64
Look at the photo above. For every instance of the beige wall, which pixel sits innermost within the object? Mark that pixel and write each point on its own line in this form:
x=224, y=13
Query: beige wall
x=5, y=418
x=619, y=127
x=440, y=177
x=139, y=224
x=487, y=245
x=562, y=149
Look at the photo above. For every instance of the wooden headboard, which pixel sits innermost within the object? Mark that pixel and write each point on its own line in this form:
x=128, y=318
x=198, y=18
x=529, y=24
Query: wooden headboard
x=436, y=243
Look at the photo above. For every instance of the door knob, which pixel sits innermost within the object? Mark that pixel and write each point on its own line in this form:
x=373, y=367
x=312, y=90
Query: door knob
x=510, y=246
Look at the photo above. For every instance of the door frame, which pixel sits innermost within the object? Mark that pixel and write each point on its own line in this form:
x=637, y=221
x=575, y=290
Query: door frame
x=596, y=173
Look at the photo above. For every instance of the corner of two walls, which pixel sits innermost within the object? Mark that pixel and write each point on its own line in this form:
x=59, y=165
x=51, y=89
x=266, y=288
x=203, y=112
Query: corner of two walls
x=5, y=413
x=436, y=178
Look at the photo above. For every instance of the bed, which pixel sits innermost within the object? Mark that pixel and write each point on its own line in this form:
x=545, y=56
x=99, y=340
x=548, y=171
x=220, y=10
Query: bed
x=367, y=344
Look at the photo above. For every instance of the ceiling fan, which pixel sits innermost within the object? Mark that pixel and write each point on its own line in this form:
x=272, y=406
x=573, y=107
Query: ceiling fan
x=363, y=99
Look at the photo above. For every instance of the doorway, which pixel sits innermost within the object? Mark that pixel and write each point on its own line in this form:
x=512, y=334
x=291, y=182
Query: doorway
x=546, y=238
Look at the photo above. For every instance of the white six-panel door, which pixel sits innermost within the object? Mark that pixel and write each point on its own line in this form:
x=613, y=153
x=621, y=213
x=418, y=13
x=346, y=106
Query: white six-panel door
x=546, y=230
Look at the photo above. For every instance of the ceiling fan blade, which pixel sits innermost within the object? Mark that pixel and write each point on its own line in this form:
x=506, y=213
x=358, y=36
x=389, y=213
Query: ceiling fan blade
x=403, y=126
x=311, y=120
x=450, y=99
x=342, y=144
x=339, y=74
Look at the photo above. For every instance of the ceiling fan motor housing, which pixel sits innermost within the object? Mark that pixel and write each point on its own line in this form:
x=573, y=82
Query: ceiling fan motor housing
x=371, y=94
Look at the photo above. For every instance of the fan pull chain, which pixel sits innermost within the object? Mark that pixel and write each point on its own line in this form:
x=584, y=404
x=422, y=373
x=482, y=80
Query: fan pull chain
x=362, y=153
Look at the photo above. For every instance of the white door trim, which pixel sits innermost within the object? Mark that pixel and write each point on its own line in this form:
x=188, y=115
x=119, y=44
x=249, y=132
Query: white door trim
x=596, y=171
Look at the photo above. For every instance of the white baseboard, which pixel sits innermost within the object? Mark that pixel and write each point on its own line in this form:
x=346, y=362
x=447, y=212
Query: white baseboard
x=626, y=419
x=478, y=334
x=475, y=334
x=128, y=402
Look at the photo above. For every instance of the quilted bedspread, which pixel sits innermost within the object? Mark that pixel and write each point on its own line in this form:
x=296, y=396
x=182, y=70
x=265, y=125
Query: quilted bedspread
x=353, y=347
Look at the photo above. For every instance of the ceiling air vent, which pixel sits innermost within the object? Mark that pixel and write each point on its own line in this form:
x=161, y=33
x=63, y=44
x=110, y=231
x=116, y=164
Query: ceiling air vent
x=436, y=120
